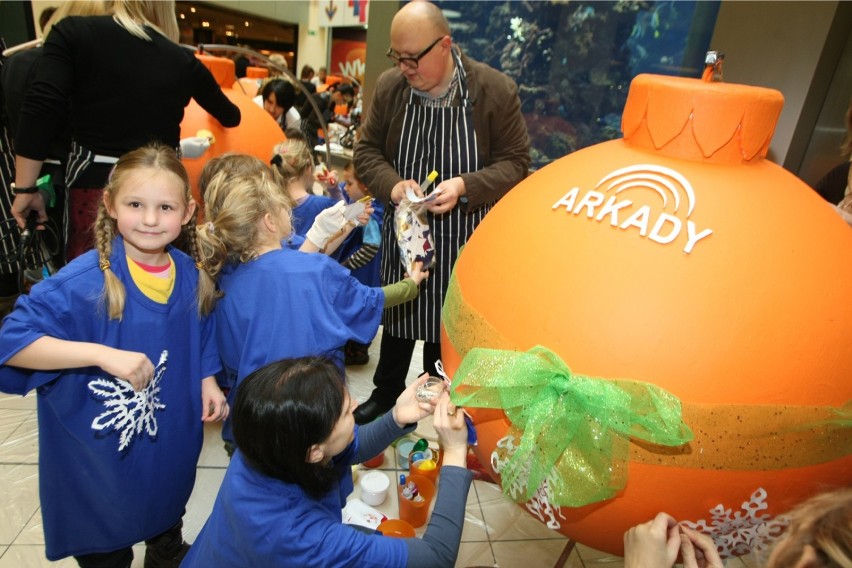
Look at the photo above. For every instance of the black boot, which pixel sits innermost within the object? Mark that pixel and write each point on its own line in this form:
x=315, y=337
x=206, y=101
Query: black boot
x=369, y=411
x=166, y=550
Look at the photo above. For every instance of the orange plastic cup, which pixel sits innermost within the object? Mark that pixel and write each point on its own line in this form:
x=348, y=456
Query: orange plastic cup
x=375, y=461
x=416, y=513
x=431, y=474
x=396, y=528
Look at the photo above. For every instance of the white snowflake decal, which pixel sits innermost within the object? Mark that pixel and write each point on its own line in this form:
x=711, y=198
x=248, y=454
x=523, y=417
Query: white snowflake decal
x=746, y=531
x=735, y=533
x=539, y=505
x=128, y=411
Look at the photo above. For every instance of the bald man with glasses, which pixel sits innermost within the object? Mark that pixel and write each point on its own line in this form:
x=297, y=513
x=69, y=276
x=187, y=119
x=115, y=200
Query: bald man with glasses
x=436, y=109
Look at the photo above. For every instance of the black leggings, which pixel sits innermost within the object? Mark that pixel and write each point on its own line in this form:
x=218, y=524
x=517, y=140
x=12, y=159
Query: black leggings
x=162, y=549
x=116, y=559
x=9, y=285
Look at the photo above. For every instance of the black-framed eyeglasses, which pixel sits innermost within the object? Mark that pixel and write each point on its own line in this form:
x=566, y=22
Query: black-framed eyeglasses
x=411, y=62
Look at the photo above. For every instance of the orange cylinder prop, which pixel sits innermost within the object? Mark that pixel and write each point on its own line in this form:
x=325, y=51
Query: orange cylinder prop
x=246, y=86
x=256, y=135
x=257, y=72
x=680, y=257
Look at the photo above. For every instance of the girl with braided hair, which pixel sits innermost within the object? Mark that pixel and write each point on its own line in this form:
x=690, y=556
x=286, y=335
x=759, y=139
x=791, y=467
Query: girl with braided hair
x=122, y=353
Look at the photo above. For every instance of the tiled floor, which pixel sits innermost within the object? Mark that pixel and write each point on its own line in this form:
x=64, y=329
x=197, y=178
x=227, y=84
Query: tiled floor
x=496, y=531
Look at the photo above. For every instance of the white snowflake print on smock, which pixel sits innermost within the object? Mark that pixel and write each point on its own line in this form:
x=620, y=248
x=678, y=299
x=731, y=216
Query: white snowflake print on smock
x=744, y=531
x=127, y=411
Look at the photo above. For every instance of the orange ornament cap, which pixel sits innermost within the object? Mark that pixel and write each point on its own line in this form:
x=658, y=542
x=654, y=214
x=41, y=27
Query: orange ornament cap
x=697, y=120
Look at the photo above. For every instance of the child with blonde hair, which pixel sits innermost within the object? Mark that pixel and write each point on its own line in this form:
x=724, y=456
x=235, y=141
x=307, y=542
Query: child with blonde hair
x=122, y=354
x=293, y=162
x=329, y=228
x=276, y=302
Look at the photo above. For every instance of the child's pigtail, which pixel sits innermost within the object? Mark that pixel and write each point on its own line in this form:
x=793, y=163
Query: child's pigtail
x=210, y=255
x=207, y=290
x=114, y=291
x=290, y=160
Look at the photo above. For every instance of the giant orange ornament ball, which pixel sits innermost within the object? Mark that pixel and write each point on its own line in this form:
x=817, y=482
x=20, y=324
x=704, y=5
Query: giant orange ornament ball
x=678, y=256
x=256, y=135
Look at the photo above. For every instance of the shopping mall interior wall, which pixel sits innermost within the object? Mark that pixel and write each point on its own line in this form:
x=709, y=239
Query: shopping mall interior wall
x=313, y=39
x=786, y=51
x=16, y=22
x=776, y=45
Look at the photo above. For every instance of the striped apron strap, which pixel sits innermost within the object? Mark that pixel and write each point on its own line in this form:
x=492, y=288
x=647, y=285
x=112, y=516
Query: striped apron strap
x=440, y=139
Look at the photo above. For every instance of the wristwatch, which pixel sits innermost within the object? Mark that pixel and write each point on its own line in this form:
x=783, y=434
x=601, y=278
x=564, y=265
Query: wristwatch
x=23, y=190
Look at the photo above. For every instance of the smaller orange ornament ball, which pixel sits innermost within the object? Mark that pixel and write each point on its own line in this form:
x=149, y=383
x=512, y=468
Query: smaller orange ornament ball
x=681, y=258
x=256, y=135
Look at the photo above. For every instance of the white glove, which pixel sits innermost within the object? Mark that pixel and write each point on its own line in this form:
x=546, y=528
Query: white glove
x=354, y=210
x=328, y=223
x=194, y=147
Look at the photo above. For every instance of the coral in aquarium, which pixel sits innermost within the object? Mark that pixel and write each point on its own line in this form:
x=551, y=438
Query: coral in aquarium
x=573, y=61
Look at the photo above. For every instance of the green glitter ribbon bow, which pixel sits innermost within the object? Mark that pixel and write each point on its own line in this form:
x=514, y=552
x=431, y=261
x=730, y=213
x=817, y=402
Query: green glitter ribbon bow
x=574, y=430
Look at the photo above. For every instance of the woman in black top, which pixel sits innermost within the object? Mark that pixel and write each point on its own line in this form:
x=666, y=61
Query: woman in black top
x=127, y=82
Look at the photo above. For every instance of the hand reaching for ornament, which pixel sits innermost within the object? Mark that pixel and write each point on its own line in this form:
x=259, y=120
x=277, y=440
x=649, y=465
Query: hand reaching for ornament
x=658, y=542
x=195, y=146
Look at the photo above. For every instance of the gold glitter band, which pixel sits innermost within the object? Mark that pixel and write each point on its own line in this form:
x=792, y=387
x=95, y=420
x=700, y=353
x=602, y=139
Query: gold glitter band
x=104, y=264
x=727, y=436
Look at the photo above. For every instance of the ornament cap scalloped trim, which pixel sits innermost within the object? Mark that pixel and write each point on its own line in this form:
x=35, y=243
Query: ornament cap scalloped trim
x=698, y=120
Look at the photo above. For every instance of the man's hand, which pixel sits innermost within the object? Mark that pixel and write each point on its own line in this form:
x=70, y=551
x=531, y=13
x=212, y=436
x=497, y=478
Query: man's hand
x=450, y=192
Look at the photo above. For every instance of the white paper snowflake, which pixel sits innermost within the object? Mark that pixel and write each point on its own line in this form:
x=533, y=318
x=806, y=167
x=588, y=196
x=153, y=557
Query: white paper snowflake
x=735, y=533
x=745, y=531
x=128, y=411
x=539, y=505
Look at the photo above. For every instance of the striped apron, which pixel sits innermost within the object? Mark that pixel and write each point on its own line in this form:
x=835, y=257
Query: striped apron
x=9, y=232
x=10, y=261
x=440, y=139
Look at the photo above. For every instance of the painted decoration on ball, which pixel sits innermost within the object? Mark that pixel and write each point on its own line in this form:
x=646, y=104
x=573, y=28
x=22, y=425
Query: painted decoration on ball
x=660, y=323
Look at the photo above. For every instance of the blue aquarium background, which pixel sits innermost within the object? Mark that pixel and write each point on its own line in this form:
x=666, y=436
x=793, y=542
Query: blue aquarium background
x=573, y=61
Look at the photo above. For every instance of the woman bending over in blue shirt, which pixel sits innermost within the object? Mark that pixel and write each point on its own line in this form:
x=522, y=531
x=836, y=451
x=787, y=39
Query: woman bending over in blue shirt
x=280, y=502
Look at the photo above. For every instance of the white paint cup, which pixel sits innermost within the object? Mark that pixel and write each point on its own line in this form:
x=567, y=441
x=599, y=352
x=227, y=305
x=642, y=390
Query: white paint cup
x=374, y=487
